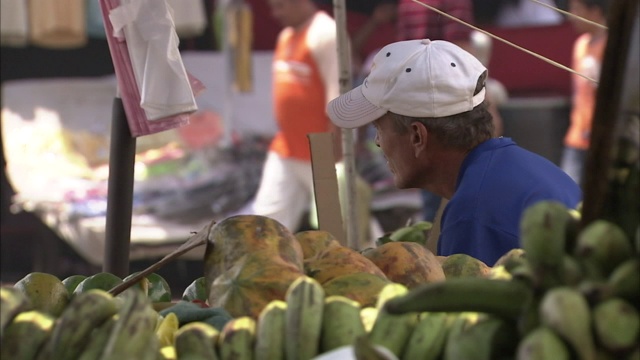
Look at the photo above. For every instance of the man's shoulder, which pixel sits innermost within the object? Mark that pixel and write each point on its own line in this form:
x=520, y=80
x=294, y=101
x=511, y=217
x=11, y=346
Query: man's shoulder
x=322, y=20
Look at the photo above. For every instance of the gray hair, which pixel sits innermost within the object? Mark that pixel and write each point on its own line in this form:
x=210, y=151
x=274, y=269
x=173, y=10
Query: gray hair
x=462, y=131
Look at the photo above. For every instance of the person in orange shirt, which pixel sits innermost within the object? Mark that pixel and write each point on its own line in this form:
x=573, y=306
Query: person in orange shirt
x=305, y=77
x=588, y=51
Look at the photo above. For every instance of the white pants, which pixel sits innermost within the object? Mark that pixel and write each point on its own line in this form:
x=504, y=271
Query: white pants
x=286, y=193
x=286, y=190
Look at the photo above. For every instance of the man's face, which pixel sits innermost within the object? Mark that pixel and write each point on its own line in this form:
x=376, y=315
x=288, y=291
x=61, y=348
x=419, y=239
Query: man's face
x=284, y=11
x=399, y=152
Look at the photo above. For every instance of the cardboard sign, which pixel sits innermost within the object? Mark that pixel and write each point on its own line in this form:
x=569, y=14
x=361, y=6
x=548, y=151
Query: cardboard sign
x=325, y=184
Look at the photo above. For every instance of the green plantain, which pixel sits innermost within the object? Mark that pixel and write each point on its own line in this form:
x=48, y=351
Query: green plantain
x=566, y=311
x=505, y=298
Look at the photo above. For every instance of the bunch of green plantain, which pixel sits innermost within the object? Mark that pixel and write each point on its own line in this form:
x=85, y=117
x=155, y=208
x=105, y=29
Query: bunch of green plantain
x=94, y=325
x=570, y=292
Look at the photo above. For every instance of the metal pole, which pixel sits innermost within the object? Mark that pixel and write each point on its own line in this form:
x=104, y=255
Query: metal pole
x=344, y=65
x=120, y=197
x=223, y=8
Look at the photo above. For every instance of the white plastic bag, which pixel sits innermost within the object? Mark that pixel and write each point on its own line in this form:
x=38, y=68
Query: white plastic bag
x=189, y=16
x=152, y=43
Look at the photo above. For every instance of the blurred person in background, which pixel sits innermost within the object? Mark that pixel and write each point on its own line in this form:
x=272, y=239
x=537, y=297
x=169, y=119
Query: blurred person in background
x=522, y=13
x=305, y=78
x=588, y=51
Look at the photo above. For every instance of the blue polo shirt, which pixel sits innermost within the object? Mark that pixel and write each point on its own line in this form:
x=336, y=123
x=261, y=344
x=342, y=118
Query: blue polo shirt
x=498, y=180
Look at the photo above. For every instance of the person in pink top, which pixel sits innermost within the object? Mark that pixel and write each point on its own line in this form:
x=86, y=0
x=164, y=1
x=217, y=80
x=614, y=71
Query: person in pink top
x=305, y=77
x=588, y=51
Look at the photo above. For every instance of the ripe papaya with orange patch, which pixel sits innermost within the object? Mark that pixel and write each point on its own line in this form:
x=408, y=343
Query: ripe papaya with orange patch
x=337, y=261
x=463, y=265
x=361, y=287
x=407, y=263
x=315, y=242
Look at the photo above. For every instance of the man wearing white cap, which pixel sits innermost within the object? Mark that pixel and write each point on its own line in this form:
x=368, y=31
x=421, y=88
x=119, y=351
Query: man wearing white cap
x=426, y=100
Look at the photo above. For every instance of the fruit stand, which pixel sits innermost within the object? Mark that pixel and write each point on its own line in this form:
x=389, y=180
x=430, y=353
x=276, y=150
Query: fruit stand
x=572, y=291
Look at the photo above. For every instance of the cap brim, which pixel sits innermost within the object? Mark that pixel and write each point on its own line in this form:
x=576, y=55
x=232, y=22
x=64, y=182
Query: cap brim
x=351, y=110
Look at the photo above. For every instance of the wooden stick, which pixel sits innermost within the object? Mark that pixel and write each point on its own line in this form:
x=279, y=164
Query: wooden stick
x=193, y=242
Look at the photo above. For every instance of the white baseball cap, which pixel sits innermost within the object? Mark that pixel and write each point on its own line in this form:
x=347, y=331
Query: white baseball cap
x=417, y=78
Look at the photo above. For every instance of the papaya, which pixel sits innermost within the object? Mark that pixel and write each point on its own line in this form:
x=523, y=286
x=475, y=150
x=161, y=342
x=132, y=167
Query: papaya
x=361, y=287
x=407, y=263
x=511, y=258
x=251, y=283
x=337, y=261
x=315, y=242
x=236, y=236
x=463, y=265
x=249, y=261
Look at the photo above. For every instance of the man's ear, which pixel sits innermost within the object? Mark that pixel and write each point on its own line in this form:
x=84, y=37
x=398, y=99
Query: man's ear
x=418, y=136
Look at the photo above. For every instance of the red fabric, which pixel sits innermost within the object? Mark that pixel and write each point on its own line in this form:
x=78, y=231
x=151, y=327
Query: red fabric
x=266, y=29
x=525, y=75
x=418, y=22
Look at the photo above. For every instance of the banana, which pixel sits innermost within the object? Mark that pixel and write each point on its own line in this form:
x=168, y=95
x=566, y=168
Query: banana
x=167, y=328
x=303, y=318
x=572, y=229
x=489, y=338
x=616, y=325
x=341, y=323
x=270, y=331
x=133, y=335
x=624, y=281
x=543, y=227
x=511, y=258
x=12, y=302
x=368, y=315
x=530, y=318
x=566, y=311
x=26, y=334
x=237, y=339
x=505, y=298
x=196, y=341
x=98, y=340
x=594, y=291
x=460, y=321
x=167, y=352
x=602, y=246
x=364, y=349
x=392, y=331
x=85, y=312
x=542, y=344
x=428, y=337
x=571, y=272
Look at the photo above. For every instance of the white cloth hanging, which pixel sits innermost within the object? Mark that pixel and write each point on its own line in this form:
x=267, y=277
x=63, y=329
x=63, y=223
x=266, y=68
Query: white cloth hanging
x=14, y=24
x=58, y=24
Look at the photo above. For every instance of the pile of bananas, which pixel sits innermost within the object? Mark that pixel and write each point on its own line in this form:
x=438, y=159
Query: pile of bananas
x=574, y=294
x=93, y=325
